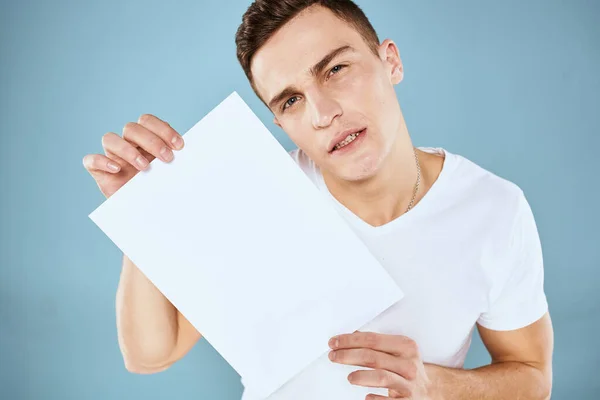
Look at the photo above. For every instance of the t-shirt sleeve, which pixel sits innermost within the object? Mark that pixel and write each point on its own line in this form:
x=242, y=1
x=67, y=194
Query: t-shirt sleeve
x=517, y=297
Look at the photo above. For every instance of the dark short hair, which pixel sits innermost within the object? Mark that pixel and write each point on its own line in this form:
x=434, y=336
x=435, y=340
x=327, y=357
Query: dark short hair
x=265, y=17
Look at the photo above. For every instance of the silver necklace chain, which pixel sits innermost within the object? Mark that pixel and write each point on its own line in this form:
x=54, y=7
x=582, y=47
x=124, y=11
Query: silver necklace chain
x=417, y=183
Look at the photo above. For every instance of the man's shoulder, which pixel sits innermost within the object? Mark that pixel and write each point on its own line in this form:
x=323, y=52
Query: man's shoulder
x=492, y=205
x=485, y=192
x=482, y=182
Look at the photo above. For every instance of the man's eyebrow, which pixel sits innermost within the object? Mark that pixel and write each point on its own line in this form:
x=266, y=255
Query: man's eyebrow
x=314, y=71
x=321, y=65
x=287, y=92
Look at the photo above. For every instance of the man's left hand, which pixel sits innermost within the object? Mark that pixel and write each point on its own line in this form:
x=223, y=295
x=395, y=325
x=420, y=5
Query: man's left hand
x=394, y=360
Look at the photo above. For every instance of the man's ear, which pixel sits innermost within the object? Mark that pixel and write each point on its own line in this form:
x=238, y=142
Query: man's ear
x=390, y=56
x=276, y=122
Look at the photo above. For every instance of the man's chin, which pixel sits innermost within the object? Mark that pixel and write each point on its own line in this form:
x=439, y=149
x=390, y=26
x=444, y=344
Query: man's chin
x=354, y=175
x=358, y=177
x=360, y=170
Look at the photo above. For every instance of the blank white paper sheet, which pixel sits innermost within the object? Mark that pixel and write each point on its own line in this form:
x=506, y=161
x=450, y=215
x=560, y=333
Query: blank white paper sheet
x=237, y=237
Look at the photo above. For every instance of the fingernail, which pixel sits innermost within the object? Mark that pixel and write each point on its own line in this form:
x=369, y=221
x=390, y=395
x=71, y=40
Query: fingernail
x=166, y=154
x=332, y=355
x=177, y=142
x=113, y=166
x=141, y=161
x=334, y=342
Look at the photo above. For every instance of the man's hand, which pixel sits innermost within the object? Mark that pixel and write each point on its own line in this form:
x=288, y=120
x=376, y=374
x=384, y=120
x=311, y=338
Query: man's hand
x=125, y=156
x=521, y=366
x=395, y=361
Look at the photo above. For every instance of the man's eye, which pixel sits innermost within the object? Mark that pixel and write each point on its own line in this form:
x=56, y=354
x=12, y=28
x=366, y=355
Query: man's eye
x=336, y=69
x=290, y=102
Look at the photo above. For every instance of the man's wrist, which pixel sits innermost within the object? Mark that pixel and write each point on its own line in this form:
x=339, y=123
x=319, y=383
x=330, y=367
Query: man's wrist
x=435, y=376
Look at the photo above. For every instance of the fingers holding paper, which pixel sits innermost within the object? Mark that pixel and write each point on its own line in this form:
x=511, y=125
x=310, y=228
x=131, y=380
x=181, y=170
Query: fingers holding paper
x=125, y=156
x=161, y=129
x=394, y=360
x=136, y=136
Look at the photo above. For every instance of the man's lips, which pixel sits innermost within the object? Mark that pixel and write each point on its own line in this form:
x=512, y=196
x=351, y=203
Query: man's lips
x=341, y=136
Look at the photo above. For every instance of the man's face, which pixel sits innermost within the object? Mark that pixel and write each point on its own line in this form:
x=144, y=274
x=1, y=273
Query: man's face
x=318, y=100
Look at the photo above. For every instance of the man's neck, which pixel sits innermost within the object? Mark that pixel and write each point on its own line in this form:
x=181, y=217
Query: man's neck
x=386, y=196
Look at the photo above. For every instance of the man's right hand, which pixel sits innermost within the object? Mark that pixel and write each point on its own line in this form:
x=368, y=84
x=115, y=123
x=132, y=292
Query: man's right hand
x=152, y=333
x=125, y=156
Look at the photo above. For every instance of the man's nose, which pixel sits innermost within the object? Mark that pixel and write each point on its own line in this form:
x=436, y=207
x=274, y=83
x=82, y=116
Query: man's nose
x=324, y=109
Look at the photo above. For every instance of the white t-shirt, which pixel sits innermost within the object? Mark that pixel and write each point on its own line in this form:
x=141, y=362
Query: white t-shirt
x=467, y=253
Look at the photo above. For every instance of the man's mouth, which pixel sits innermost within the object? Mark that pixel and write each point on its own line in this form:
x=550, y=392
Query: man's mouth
x=347, y=140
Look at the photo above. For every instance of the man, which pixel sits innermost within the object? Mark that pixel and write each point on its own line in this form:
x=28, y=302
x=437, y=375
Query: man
x=461, y=242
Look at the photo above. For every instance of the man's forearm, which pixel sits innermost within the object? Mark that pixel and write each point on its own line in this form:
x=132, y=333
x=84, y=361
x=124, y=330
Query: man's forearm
x=505, y=380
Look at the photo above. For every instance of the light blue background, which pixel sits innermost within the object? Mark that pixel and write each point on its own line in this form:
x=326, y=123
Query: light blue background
x=512, y=85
